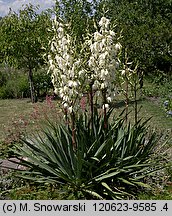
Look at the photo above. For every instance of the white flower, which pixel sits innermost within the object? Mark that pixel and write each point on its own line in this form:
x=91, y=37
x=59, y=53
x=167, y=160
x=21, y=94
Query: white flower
x=70, y=109
x=65, y=89
x=81, y=72
x=105, y=106
x=71, y=72
x=68, y=73
x=65, y=98
x=104, y=41
x=117, y=65
x=64, y=41
x=75, y=84
x=77, y=62
x=104, y=22
x=104, y=73
x=109, y=99
x=65, y=105
x=102, y=62
x=109, y=40
x=57, y=58
x=51, y=62
x=96, y=84
x=101, y=45
x=63, y=77
x=118, y=46
x=91, y=61
x=103, y=56
x=112, y=33
x=123, y=72
x=70, y=83
x=60, y=90
x=91, y=47
x=96, y=47
x=67, y=57
x=97, y=36
x=61, y=95
x=60, y=32
x=103, y=86
x=56, y=91
x=111, y=67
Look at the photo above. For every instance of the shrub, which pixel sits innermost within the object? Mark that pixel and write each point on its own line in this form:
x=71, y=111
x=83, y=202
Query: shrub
x=42, y=82
x=109, y=163
x=3, y=78
x=16, y=86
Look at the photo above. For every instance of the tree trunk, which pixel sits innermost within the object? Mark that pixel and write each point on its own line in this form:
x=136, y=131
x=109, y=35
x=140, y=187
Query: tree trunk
x=32, y=89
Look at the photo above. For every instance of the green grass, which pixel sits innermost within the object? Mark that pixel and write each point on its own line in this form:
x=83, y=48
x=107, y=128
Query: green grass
x=149, y=108
x=12, y=110
x=22, y=116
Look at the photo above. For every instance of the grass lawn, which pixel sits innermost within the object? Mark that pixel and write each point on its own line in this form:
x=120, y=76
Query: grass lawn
x=11, y=110
x=16, y=109
x=149, y=107
x=22, y=114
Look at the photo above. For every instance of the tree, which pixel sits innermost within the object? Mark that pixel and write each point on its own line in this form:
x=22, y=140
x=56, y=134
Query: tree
x=23, y=38
x=78, y=14
x=146, y=30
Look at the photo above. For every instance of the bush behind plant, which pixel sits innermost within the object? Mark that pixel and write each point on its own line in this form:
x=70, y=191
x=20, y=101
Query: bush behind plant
x=14, y=84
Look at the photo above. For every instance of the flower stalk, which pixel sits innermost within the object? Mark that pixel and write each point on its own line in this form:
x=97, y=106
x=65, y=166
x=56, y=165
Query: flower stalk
x=73, y=130
x=72, y=73
x=91, y=103
x=105, y=106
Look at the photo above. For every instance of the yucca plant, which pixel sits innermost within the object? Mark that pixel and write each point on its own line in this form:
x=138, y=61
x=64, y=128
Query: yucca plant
x=108, y=163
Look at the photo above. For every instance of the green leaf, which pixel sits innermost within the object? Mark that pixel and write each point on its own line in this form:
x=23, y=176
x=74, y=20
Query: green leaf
x=126, y=181
x=93, y=193
x=106, y=176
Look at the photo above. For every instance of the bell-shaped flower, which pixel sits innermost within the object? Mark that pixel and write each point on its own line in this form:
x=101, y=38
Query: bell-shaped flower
x=103, y=86
x=97, y=36
x=105, y=106
x=70, y=109
x=109, y=99
x=118, y=47
x=75, y=84
x=56, y=91
x=112, y=33
x=70, y=83
x=65, y=105
x=91, y=61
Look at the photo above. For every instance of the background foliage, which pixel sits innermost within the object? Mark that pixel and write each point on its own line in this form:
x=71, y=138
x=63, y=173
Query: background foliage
x=146, y=30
